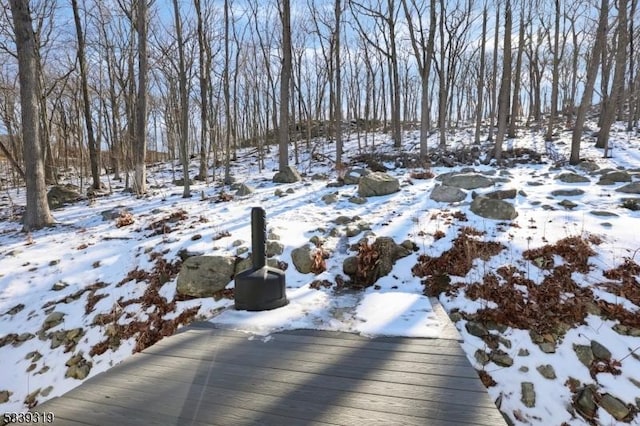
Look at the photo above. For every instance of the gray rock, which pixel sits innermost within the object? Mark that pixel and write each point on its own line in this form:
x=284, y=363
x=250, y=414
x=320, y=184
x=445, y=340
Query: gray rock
x=547, y=371
x=353, y=175
x=60, y=285
x=447, y=194
x=523, y=352
x=352, y=231
x=500, y=358
x=279, y=193
x=4, y=396
x=467, y=181
x=330, y=198
x=631, y=188
x=481, y=356
x=271, y=235
x=501, y=194
x=237, y=243
x=274, y=248
x=568, y=204
x=114, y=213
x=376, y=184
x=585, y=402
x=476, y=329
x=588, y=166
x=603, y=213
x=567, y=192
x=523, y=369
x=535, y=183
x=61, y=195
x=203, y=276
x=79, y=367
x=584, y=353
x=343, y=220
x=180, y=182
x=599, y=351
x=52, y=320
x=287, y=175
x=618, y=409
x=302, y=259
x=528, y=397
x=613, y=177
x=572, y=178
x=289, y=191
x=547, y=347
x=493, y=209
x=357, y=200
x=244, y=189
x=389, y=253
x=350, y=265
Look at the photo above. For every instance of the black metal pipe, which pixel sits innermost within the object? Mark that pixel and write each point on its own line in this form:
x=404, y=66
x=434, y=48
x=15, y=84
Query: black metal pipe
x=258, y=238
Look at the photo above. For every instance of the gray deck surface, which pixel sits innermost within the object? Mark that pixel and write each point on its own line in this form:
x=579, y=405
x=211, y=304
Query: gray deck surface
x=209, y=376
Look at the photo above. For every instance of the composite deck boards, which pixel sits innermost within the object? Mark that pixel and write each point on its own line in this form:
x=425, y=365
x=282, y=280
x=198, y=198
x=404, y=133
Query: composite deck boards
x=210, y=376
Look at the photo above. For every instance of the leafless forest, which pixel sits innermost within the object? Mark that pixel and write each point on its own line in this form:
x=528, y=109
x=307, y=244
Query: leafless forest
x=99, y=86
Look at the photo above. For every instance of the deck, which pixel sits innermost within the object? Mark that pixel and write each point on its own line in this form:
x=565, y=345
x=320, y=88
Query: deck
x=209, y=376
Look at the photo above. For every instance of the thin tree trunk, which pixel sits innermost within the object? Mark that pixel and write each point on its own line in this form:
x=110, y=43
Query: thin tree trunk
x=481, y=82
x=516, y=86
x=505, y=86
x=140, y=144
x=285, y=76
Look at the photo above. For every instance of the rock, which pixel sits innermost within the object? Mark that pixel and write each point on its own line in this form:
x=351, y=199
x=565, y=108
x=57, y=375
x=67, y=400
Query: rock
x=204, y=276
x=389, y=252
x=631, y=188
x=585, y=402
x=79, y=367
x=501, y=358
x=409, y=245
x=353, y=175
x=635, y=382
x=603, y=213
x=584, y=353
x=599, y=351
x=572, y=178
x=376, y=184
x=61, y=195
x=481, y=356
x=350, y=265
x=493, y=209
x=114, y=213
x=319, y=176
x=523, y=369
x=447, y=194
x=274, y=248
x=289, y=191
x=330, y=198
x=52, y=320
x=613, y=177
x=279, y=193
x=567, y=192
x=352, y=231
x=343, y=220
x=547, y=347
x=4, y=396
x=237, y=243
x=528, y=397
x=568, y=204
x=618, y=409
x=535, y=183
x=357, y=200
x=287, y=175
x=271, y=235
x=244, y=189
x=523, y=352
x=588, y=166
x=301, y=258
x=547, y=371
x=476, y=329
x=467, y=181
x=502, y=194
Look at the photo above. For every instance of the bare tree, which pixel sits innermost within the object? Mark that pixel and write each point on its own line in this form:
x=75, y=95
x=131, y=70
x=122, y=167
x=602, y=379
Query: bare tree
x=140, y=142
x=505, y=85
x=481, y=73
x=285, y=77
x=338, y=85
x=183, y=122
x=37, y=214
x=515, y=105
x=554, y=73
x=608, y=115
x=94, y=152
x=592, y=72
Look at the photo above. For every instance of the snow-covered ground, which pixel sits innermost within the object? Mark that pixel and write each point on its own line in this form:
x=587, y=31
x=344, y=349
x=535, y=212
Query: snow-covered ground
x=82, y=296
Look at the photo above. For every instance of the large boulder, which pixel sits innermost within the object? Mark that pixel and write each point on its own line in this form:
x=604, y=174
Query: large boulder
x=244, y=189
x=377, y=183
x=301, y=258
x=447, y=194
x=204, y=276
x=493, y=209
x=467, y=180
x=287, y=175
x=612, y=177
x=353, y=175
x=60, y=195
x=572, y=178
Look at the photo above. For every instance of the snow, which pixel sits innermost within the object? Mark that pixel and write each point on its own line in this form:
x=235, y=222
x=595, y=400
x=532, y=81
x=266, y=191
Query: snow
x=82, y=250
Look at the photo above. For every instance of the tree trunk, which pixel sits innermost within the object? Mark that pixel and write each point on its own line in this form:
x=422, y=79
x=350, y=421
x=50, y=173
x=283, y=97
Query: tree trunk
x=555, y=74
x=609, y=115
x=516, y=86
x=94, y=152
x=494, y=78
x=204, y=88
x=285, y=76
x=337, y=108
x=592, y=72
x=505, y=86
x=140, y=143
x=183, y=123
x=37, y=214
x=481, y=83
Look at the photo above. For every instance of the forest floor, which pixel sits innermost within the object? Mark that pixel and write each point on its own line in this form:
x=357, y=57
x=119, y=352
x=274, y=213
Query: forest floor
x=547, y=303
